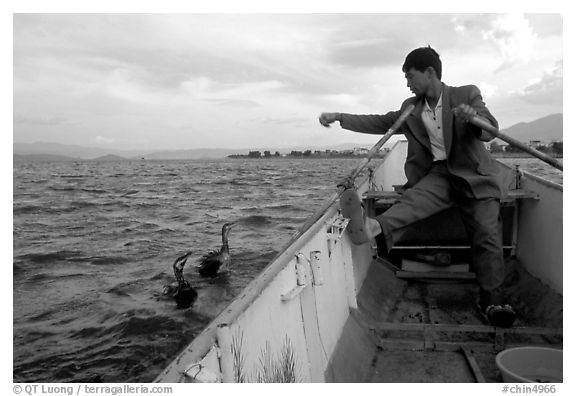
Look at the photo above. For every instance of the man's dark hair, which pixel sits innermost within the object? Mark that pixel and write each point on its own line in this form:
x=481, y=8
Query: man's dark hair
x=423, y=58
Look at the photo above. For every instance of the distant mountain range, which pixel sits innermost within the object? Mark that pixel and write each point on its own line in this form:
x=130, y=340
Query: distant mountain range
x=545, y=129
x=61, y=152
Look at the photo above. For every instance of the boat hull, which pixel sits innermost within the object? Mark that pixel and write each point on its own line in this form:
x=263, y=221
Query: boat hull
x=321, y=310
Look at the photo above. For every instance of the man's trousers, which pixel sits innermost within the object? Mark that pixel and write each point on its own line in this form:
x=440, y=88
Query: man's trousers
x=438, y=191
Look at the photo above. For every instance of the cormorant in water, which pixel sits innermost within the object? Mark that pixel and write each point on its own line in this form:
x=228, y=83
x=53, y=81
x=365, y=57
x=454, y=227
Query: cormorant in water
x=182, y=292
x=217, y=260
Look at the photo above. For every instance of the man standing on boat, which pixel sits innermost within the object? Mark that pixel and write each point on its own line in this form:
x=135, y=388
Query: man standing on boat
x=447, y=165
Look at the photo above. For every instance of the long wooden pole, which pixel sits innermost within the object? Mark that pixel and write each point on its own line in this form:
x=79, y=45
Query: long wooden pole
x=374, y=150
x=485, y=125
x=356, y=171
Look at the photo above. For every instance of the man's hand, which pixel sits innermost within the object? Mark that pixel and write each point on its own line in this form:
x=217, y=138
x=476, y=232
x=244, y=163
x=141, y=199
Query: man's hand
x=346, y=183
x=464, y=112
x=328, y=118
x=467, y=113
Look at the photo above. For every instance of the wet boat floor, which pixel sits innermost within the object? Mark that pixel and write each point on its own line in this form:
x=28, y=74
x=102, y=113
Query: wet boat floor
x=420, y=331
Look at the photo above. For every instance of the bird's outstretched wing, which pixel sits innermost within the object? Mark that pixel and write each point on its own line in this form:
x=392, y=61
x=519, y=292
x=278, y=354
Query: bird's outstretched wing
x=179, y=266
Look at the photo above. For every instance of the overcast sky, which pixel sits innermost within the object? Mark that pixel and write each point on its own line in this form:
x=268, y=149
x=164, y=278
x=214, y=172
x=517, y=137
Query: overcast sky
x=161, y=81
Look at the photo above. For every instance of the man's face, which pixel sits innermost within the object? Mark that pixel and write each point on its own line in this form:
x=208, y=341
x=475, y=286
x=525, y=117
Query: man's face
x=418, y=81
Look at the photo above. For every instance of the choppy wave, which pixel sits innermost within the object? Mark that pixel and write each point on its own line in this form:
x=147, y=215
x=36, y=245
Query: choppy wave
x=256, y=221
x=47, y=257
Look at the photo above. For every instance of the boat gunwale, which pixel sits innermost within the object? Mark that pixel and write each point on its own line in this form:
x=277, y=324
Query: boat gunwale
x=543, y=181
x=538, y=179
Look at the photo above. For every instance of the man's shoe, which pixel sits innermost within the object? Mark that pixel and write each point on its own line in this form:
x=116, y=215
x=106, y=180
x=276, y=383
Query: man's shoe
x=351, y=208
x=499, y=315
x=494, y=310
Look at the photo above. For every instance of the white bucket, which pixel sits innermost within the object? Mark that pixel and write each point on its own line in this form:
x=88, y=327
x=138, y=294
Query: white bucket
x=530, y=364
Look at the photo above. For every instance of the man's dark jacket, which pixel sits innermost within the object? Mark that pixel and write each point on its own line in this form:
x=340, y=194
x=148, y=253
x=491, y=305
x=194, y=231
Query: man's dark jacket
x=467, y=158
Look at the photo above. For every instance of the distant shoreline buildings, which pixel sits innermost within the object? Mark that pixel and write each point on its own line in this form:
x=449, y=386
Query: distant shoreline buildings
x=498, y=148
x=357, y=152
x=554, y=148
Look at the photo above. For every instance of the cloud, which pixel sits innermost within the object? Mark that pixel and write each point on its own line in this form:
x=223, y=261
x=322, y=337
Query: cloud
x=206, y=88
x=378, y=40
x=235, y=103
x=547, y=89
x=488, y=90
x=158, y=51
x=343, y=99
x=368, y=53
x=20, y=119
x=290, y=120
x=514, y=37
x=548, y=24
x=148, y=74
x=103, y=140
x=472, y=23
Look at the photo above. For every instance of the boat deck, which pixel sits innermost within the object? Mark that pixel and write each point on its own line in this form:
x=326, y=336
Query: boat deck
x=415, y=331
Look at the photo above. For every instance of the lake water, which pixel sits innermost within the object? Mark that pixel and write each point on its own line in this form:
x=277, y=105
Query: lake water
x=94, y=244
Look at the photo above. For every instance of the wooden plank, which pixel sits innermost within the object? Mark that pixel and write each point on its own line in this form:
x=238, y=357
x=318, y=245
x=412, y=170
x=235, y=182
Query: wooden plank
x=511, y=195
x=381, y=195
x=426, y=267
x=387, y=264
x=515, y=223
x=424, y=247
x=461, y=328
x=473, y=364
x=398, y=344
x=435, y=275
x=401, y=366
